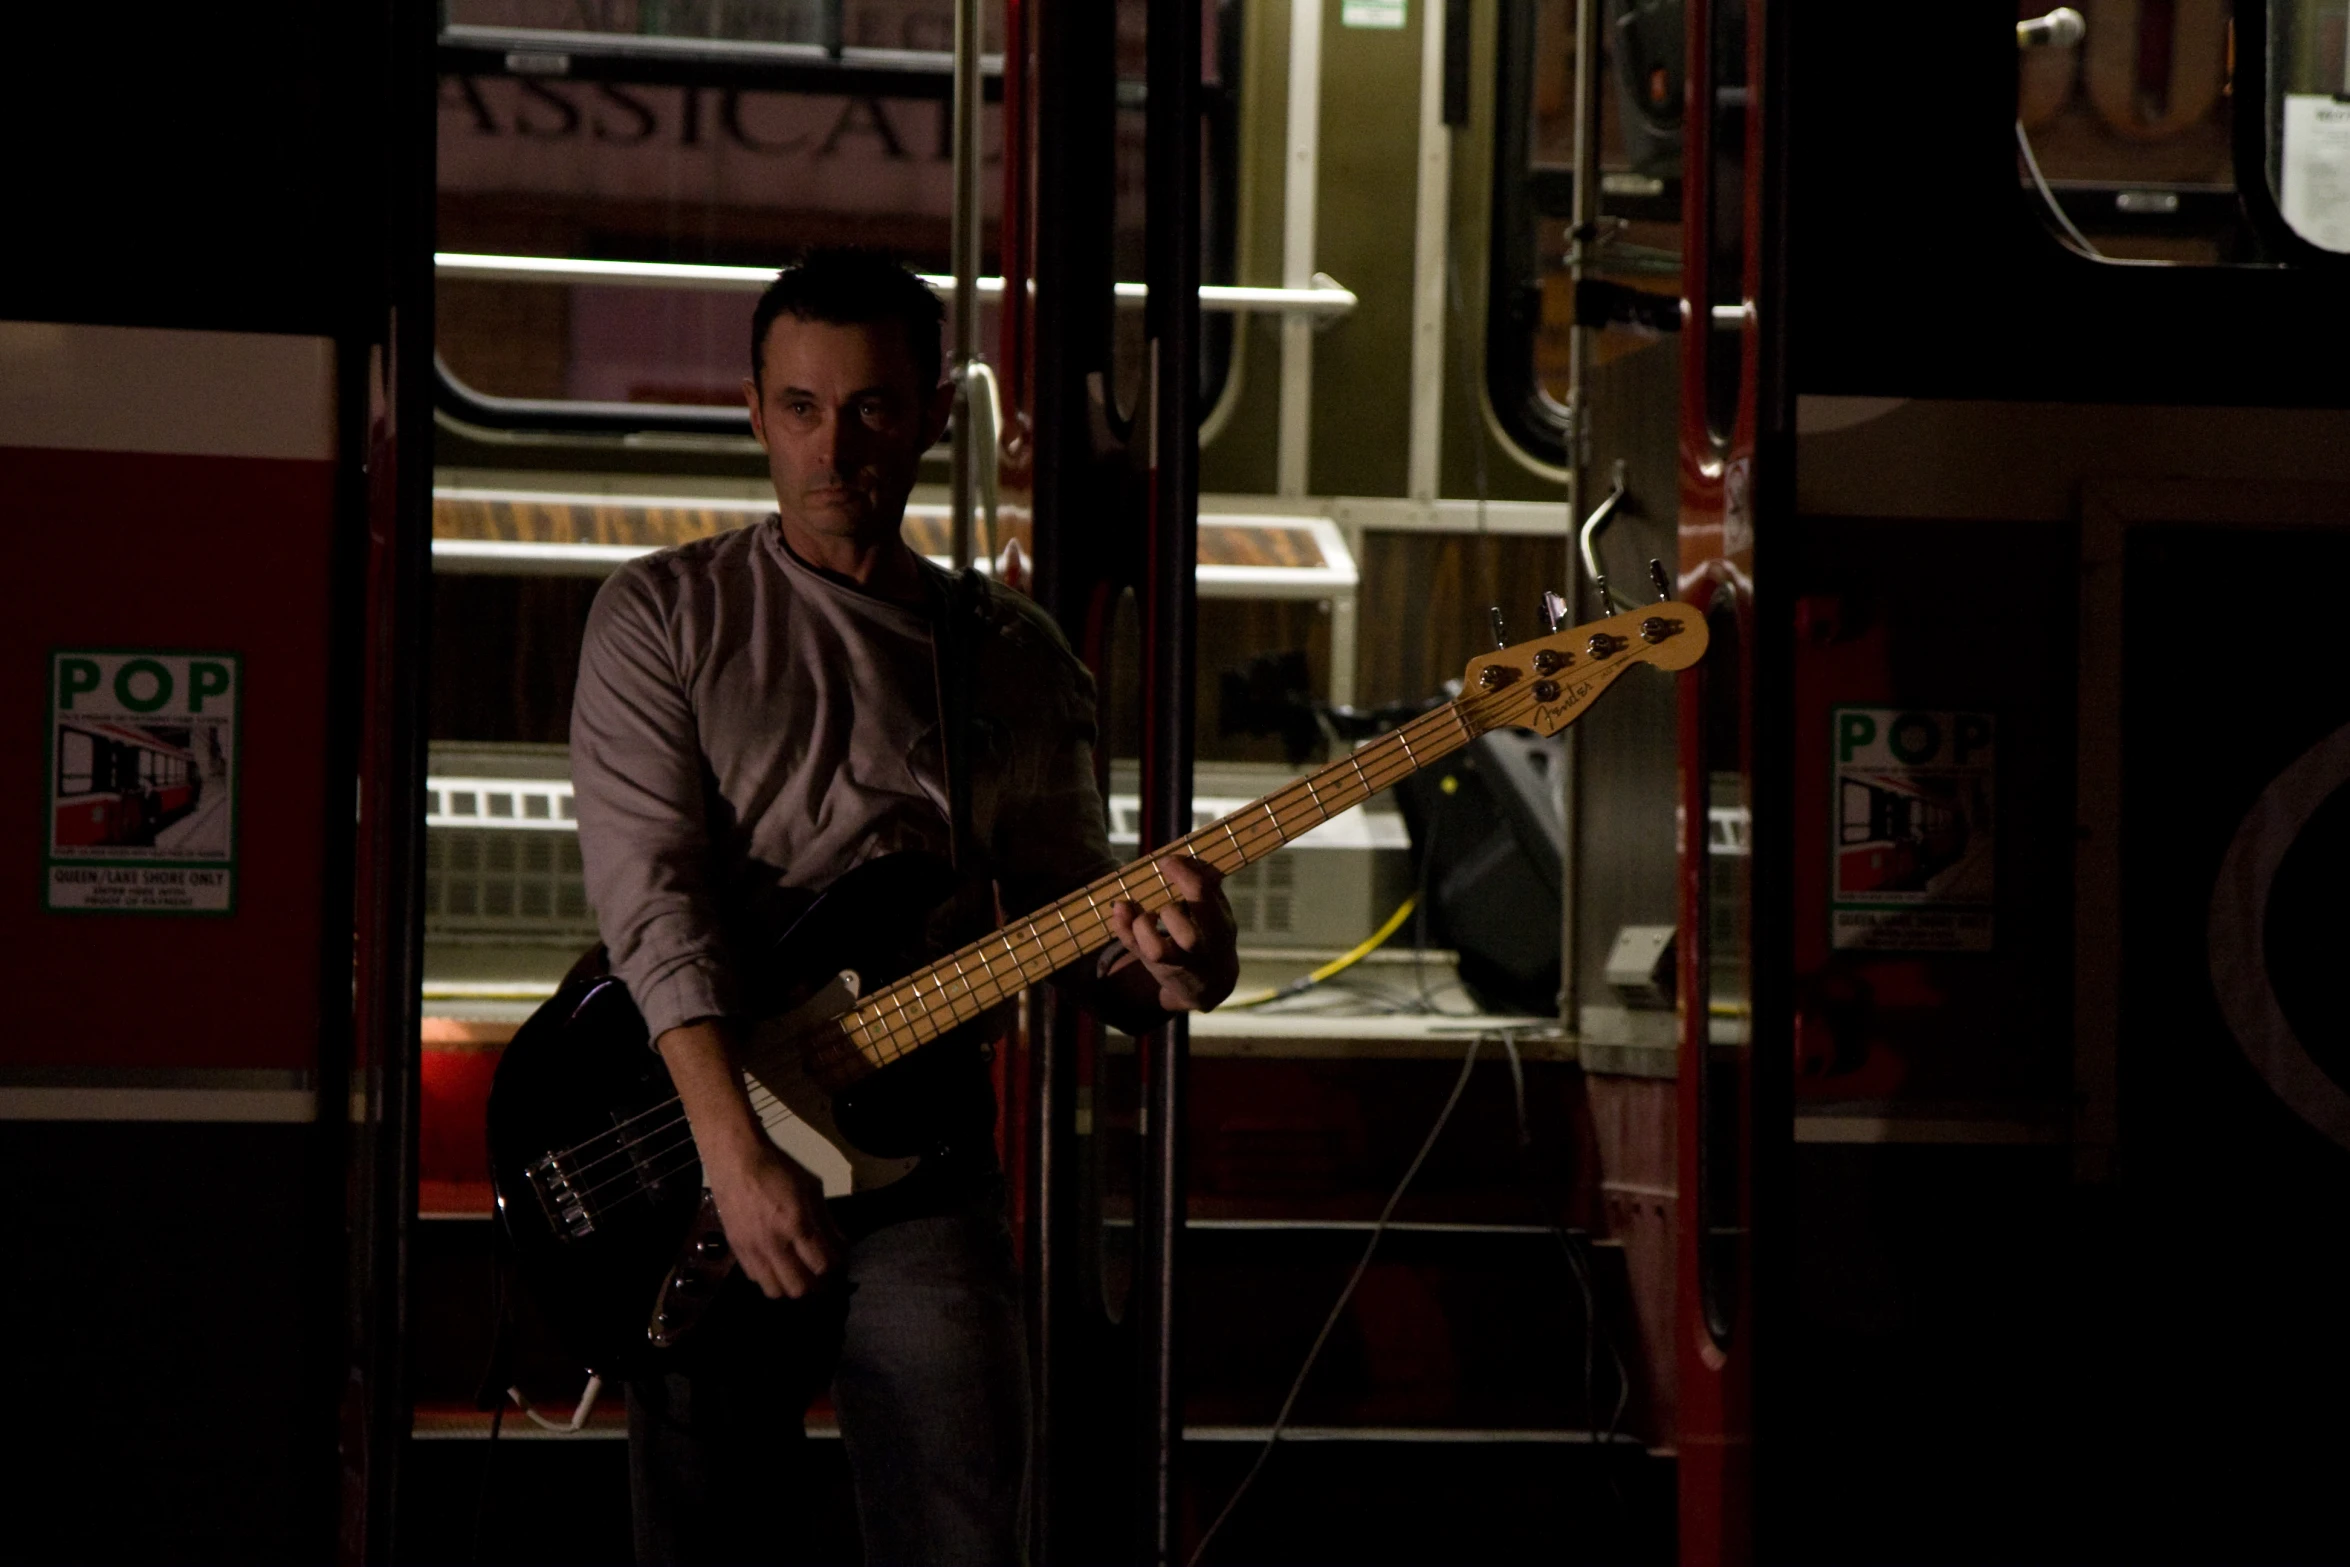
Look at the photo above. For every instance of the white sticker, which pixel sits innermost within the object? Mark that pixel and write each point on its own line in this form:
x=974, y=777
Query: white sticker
x=1372, y=13
x=142, y=760
x=1912, y=831
x=2313, y=170
x=2313, y=175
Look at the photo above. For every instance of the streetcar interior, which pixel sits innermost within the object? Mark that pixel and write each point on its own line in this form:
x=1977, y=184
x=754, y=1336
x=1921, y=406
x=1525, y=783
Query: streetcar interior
x=1859, y=1085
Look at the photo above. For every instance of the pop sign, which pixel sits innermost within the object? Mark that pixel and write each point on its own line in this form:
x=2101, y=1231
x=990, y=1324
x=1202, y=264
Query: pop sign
x=1913, y=839
x=142, y=782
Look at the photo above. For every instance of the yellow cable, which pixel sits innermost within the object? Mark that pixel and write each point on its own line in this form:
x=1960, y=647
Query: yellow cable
x=1370, y=945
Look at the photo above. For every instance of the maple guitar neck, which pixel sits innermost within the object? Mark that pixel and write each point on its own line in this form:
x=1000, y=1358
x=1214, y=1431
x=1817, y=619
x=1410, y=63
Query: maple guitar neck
x=968, y=981
x=1542, y=685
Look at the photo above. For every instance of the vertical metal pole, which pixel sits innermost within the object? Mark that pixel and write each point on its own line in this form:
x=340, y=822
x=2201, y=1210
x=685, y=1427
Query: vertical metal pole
x=376, y=1090
x=965, y=241
x=1171, y=322
x=1582, y=237
x=1431, y=255
x=1301, y=177
x=1081, y=1496
x=1076, y=189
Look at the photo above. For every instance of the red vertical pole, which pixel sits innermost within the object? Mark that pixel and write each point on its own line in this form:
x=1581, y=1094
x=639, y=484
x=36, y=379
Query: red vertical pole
x=1715, y=1315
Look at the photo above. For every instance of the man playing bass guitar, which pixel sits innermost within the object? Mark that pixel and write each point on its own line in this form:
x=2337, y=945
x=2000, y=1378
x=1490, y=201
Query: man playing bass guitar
x=758, y=713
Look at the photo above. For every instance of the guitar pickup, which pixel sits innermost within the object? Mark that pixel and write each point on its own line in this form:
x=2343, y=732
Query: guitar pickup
x=652, y=1173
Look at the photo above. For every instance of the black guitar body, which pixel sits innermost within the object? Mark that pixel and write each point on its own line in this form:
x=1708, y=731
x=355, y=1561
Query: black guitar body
x=598, y=1185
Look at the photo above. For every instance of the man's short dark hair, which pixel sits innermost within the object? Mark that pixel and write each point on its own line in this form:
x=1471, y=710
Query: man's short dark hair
x=852, y=286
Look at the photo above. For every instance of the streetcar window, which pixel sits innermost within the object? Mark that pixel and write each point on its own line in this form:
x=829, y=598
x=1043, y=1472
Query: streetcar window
x=772, y=21
x=76, y=763
x=2131, y=130
x=1726, y=98
x=2309, y=119
x=1855, y=825
x=706, y=134
x=1530, y=306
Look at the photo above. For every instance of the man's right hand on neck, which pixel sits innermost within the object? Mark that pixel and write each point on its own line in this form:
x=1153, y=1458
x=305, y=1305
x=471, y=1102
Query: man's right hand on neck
x=772, y=1208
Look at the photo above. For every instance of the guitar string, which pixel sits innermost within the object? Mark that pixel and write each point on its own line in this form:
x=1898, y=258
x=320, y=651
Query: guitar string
x=632, y=1146
x=830, y=1052
x=642, y=1151
x=899, y=1038
x=896, y=1039
x=762, y=1098
x=1047, y=948
x=649, y=1181
x=841, y=1048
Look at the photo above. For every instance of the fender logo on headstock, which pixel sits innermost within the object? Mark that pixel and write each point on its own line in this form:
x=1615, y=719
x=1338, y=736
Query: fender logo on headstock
x=1553, y=705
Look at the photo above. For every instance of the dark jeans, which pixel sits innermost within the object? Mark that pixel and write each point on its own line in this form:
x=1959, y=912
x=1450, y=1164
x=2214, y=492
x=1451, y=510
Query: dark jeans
x=927, y=1355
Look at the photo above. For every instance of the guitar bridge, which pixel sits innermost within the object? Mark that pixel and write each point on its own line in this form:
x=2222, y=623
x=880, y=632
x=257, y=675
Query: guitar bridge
x=565, y=1205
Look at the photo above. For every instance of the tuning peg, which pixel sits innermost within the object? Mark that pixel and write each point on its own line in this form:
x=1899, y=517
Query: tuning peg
x=1663, y=580
x=1554, y=610
x=1501, y=638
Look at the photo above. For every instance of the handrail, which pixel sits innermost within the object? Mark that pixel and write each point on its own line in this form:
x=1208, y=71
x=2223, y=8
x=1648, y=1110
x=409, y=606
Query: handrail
x=1587, y=539
x=578, y=416
x=1326, y=297
x=987, y=448
x=536, y=42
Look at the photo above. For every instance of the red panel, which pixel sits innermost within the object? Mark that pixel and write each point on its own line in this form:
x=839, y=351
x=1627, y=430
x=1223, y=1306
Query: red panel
x=173, y=552
x=453, y=1156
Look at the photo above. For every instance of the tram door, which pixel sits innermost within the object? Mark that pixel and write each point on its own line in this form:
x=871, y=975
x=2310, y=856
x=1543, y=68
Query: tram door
x=199, y=322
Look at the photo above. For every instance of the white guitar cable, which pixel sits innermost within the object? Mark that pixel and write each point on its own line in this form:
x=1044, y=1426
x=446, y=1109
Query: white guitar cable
x=1345, y=1295
x=578, y=1421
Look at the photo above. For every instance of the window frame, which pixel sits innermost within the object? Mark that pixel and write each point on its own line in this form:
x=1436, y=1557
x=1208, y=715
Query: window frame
x=533, y=54
x=65, y=768
x=1524, y=194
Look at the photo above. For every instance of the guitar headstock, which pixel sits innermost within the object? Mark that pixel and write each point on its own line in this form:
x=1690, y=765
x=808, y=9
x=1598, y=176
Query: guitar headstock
x=1545, y=684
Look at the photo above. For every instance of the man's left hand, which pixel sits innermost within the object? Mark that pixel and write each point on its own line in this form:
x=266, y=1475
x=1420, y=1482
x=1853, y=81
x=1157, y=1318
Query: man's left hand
x=1188, y=946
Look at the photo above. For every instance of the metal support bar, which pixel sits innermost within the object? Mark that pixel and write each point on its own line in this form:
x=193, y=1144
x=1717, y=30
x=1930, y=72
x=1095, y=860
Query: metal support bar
x=964, y=242
x=578, y=416
x=1079, y=1488
x=1169, y=630
x=1431, y=254
x=1301, y=177
x=574, y=54
x=1587, y=540
x=1582, y=237
x=368, y=1080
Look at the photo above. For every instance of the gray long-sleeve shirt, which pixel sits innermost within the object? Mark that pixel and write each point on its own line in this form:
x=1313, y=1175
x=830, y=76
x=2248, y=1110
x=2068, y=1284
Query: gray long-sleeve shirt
x=747, y=729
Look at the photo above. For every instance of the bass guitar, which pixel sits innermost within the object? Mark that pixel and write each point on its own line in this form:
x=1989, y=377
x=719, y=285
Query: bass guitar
x=598, y=1185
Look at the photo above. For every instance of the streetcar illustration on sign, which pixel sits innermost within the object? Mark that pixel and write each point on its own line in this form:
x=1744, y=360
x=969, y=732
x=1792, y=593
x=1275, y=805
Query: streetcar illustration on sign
x=1913, y=830
x=142, y=782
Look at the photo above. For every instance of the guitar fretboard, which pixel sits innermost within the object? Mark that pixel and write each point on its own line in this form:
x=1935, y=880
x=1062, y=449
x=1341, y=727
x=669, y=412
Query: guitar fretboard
x=968, y=981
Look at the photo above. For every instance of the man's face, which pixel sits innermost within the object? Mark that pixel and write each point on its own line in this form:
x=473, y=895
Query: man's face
x=845, y=422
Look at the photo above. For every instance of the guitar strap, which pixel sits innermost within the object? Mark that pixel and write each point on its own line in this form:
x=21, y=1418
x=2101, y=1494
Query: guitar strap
x=958, y=648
